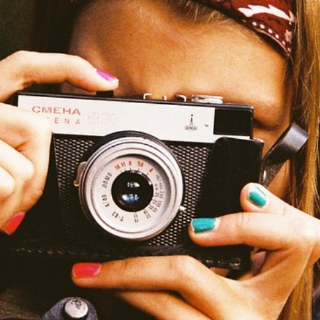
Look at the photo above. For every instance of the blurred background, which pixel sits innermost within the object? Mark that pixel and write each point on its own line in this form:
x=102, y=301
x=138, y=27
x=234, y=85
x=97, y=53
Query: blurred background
x=15, y=25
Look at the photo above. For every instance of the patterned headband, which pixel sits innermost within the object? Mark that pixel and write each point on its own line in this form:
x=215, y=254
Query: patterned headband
x=273, y=18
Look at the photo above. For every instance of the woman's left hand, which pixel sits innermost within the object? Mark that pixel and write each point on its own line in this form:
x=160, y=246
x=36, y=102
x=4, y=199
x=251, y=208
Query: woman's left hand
x=180, y=287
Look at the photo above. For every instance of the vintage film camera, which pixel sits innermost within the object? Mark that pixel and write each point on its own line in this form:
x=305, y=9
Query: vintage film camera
x=131, y=174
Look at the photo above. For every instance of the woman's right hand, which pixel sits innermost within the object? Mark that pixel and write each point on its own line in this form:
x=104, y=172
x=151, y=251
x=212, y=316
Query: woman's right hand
x=25, y=137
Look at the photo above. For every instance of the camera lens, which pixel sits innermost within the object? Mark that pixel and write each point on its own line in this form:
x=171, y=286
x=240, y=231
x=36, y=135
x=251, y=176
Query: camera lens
x=132, y=191
x=131, y=186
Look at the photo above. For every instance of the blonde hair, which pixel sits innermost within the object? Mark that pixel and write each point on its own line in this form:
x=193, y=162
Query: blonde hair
x=304, y=76
x=305, y=111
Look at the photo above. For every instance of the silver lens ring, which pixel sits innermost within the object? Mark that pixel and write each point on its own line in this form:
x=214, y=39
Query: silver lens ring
x=151, y=187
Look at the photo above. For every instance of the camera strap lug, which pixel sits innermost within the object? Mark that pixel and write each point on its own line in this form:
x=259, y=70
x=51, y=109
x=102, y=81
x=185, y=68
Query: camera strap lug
x=81, y=166
x=289, y=143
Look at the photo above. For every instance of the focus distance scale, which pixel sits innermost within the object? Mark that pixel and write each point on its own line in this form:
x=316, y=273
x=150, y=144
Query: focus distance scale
x=132, y=186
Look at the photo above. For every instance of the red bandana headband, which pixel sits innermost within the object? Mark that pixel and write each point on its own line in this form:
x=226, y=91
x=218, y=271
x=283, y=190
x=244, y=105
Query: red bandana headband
x=273, y=18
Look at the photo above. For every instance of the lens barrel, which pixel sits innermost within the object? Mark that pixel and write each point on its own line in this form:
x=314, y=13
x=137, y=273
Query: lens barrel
x=131, y=186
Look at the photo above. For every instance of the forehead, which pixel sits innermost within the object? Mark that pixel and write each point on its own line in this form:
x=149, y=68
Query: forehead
x=151, y=47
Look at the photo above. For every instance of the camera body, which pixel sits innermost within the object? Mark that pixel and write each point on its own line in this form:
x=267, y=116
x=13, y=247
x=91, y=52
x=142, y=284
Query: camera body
x=132, y=173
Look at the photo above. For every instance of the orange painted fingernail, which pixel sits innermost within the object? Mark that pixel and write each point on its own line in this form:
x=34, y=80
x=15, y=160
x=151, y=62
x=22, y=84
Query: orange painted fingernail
x=14, y=223
x=86, y=270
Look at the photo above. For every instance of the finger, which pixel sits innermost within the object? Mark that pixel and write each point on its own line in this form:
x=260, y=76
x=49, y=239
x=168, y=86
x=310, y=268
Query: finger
x=257, y=262
x=269, y=223
x=292, y=242
x=15, y=166
x=7, y=185
x=284, y=266
x=161, y=305
x=23, y=69
x=256, y=198
x=17, y=174
x=24, y=156
x=200, y=287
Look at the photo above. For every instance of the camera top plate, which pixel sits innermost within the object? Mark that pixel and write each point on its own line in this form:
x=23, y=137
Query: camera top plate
x=167, y=120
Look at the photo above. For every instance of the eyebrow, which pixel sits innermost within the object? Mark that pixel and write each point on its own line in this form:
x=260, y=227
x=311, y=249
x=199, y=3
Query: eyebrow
x=262, y=106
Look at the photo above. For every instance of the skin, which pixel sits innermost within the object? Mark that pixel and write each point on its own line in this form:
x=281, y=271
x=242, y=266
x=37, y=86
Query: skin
x=176, y=55
x=217, y=59
x=25, y=137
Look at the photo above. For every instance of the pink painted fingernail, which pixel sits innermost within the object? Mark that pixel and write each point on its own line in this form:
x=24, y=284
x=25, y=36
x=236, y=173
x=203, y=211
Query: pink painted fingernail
x=106, y=76
x=86, y=270
x=14, y=223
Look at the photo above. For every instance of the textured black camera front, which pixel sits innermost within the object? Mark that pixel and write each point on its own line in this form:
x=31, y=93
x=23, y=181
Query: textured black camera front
x=132, y=191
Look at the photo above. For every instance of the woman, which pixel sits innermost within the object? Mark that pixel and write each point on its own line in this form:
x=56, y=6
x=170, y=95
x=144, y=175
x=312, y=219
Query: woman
x=170, y=47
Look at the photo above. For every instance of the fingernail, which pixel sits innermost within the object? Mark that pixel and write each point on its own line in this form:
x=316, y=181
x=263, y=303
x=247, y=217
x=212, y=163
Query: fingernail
x=86, y=270
x=14, y=223
x=106, y=76
x=257, y=196
x=204, y=224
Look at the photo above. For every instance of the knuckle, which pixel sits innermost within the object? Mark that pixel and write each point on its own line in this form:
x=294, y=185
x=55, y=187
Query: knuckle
x=125, y=268
x=33, y=197
x=14, y=70
x=7, y=187
x=30, y=190
x=183, y=268
x=39, y=124
x=76, y=61
x=37, y=128
x=21, y=59
x=25, y=172
x=20, y=56
x=285, y=209
x=306, y=234
x=24, y=62
x=242, y=220
x=43, y=129
x=241, y=223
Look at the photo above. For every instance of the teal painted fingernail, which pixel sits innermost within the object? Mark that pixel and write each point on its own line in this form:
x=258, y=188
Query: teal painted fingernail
x=204, y=224
x=257, y=195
